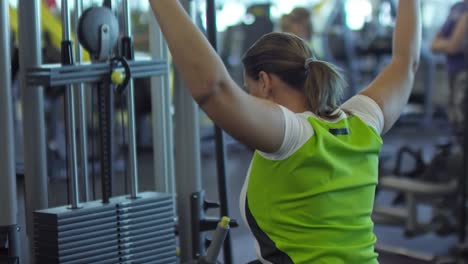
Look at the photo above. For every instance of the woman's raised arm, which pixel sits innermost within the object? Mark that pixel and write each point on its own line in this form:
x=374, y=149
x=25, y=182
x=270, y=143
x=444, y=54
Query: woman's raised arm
x=255, y=122
x=392, y=88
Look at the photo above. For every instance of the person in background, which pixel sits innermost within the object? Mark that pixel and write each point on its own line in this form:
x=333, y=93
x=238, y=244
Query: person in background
x=298, y=22
x=451, y=41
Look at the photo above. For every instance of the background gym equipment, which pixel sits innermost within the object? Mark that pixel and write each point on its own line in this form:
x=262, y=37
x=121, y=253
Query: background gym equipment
x=363, y=53
x=238, y=38
x=441, y=184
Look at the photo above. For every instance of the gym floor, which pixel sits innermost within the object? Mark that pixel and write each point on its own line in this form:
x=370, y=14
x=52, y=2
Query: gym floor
x=238, y=158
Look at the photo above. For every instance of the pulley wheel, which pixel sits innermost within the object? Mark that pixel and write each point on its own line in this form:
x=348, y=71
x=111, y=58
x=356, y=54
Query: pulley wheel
x=90, y=28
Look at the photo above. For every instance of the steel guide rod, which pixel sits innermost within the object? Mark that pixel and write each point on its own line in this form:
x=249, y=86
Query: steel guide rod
x=72, y=158
x=82, y=121
x=128, y=54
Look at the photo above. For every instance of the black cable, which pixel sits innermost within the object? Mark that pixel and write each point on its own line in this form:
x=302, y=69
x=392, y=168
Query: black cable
x=119, y=90
x=93, y=143
x=219, y=139
x=105, y=107
x=462, y=180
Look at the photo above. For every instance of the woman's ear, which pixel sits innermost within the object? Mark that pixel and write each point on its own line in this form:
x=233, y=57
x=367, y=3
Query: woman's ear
x=265, y=83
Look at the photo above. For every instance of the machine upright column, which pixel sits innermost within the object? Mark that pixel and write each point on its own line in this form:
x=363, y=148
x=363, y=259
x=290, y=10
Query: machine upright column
x=8, y=195
x=161, y=105
x=187, y=157
x=35, y=164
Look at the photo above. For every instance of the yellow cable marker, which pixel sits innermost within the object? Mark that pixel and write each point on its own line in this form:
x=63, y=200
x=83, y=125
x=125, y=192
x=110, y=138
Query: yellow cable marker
x=117, y=77
x=225, y=222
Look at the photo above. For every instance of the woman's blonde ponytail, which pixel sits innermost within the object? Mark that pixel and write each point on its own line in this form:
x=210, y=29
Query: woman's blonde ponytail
x=323, y=87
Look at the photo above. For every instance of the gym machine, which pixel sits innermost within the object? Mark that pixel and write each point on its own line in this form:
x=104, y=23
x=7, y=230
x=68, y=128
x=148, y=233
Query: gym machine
x=139, y=227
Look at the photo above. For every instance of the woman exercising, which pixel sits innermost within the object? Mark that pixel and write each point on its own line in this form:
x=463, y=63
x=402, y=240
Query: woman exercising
x=309, y=192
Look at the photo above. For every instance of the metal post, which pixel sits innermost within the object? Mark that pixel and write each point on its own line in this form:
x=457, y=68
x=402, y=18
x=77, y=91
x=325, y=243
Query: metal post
x=429, y=68
x=8, y=196
x=412, y=220
x=219, y=137
x=72, y=159
x=35, y=165
x=133, y=165
x=14, y=245
x=349, y=48
x=161, y=102
x=65, y=21
x=463, y=184
x=81, y=97
x=187, y=156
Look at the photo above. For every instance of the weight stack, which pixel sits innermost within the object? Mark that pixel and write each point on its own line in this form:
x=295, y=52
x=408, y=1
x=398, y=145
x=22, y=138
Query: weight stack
x=125, y=230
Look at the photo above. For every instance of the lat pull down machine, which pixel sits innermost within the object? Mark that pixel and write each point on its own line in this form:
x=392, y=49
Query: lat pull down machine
x=138, y=228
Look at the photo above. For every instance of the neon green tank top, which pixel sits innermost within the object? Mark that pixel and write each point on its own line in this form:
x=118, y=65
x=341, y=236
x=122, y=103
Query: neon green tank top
x=315, y=206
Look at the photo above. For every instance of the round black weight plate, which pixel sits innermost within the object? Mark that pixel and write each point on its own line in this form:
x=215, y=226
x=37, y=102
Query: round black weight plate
x=89, y=28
